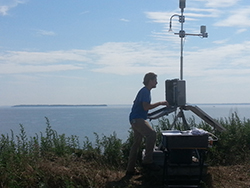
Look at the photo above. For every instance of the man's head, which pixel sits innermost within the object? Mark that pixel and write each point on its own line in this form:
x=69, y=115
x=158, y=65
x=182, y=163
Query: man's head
x=150, y=79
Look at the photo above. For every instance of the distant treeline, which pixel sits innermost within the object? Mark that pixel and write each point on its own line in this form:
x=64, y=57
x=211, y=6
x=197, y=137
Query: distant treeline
x=60, y=105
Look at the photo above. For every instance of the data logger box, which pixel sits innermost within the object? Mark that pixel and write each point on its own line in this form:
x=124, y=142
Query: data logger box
x=175, y=92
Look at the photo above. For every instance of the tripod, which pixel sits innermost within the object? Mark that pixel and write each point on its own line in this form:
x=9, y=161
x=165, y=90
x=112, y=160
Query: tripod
x=182, y=116
x=195, y=109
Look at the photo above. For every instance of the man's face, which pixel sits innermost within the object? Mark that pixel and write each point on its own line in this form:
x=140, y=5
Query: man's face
x=153, y=83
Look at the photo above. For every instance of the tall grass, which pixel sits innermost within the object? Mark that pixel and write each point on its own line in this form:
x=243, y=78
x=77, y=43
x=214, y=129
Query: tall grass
x=52, y=160
x=33, y=161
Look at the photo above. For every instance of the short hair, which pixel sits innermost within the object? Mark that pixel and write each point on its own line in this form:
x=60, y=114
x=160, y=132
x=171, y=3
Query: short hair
x=149, y=76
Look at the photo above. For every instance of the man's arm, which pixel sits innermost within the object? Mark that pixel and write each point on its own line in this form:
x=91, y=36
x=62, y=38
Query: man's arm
x=147, y=106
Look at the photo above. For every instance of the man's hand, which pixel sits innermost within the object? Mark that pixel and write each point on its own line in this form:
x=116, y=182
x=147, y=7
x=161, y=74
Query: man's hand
x=164, y=103
x=148, y=106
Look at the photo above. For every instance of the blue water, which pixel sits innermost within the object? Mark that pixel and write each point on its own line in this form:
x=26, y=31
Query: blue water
x=84, y=121
x=79, y=121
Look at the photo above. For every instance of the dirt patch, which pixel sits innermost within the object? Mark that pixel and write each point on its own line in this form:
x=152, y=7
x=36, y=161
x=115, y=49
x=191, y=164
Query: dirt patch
x=237, y=176
x=217, y=177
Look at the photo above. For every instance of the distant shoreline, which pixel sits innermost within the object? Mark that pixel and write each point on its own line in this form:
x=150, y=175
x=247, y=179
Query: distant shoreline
x=105, y=105
x=60, y=105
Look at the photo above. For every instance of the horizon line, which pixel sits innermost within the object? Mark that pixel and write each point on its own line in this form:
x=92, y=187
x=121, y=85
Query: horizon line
x=88, y=105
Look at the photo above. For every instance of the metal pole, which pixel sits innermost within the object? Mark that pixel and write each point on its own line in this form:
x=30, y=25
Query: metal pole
x=181, y=58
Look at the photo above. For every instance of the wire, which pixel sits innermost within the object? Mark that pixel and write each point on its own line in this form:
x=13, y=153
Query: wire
x=170, y=24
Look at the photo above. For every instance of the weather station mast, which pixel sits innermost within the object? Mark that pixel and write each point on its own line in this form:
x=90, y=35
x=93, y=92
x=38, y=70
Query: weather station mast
x=182, y=34
x=175, y=89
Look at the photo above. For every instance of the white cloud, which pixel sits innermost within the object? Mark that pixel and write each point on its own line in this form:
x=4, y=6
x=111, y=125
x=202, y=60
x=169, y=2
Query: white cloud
x=107, y=58
x=132, y=58
x=46, y=33
x=124, y=20
x=236, y=18
x=228, y=60
x=24, y=61
x=26, y=57
x=220, y=41
x=4, y=10
x=14, y=68
x=6, y=5
x=221, y=3
x=159, y=17
x=203, y=13
x=84, y=12
x=241, y=31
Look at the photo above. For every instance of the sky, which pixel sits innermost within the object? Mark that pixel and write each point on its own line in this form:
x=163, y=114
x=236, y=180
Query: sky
x=98, y=51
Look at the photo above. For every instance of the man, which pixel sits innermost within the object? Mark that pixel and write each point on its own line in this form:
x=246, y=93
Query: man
x=141, y=127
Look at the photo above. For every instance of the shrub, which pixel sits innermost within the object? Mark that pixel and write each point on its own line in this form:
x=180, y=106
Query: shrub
x=233, y=146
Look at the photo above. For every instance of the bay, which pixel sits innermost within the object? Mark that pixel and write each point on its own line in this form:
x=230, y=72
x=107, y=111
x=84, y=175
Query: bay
x=79, y=121
x=84, y=121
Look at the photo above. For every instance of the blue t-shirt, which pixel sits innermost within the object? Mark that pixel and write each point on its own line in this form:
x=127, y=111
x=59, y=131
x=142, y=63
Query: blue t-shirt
x=138, y=111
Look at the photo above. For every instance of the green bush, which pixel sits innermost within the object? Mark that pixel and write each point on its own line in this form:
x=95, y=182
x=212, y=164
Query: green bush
x=233, y=146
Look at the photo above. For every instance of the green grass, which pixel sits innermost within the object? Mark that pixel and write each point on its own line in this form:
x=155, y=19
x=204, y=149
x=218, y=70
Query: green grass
x=52, y=160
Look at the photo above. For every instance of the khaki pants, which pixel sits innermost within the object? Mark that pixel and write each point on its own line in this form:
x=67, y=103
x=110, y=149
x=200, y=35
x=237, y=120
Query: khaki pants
x=141, y=129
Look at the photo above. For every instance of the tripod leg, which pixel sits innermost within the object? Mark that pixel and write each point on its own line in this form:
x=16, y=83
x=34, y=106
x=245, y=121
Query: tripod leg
x=175, y=119
x=185, y=124
x=181, y=115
